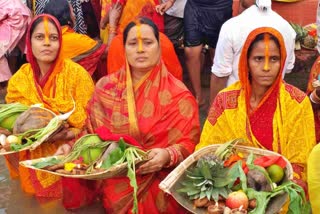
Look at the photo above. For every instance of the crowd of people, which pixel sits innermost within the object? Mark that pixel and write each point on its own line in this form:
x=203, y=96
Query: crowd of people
x=129, y=81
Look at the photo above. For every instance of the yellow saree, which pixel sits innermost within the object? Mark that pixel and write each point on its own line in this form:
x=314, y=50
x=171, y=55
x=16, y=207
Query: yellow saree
x=291, y=123
x=314, y=178
x=65, y=81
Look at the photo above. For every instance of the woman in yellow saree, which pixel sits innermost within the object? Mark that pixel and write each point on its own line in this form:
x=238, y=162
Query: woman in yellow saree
x=314, y=178
x=55, y=82
x=261, y=108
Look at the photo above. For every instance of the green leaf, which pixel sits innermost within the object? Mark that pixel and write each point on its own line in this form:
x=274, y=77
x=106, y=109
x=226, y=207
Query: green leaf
x=50, y=162
x=112, y=158
x=262, y=199
x=205, y=170
x=215, y=194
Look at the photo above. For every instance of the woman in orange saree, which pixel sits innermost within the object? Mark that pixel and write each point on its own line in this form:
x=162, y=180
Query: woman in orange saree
x=314, y=92
x=145, y=101
x=79, y=47
x=261, y=108
x=55, y=82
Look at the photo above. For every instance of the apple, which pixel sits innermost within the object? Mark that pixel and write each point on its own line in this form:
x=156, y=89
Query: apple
x=237, y=199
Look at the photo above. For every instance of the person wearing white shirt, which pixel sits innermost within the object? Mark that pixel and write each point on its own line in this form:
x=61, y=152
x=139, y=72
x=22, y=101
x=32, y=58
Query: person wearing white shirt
x=233, y=35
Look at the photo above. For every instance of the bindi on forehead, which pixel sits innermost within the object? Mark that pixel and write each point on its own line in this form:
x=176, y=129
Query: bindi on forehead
x=46, y=29
x=266, y=51
x=139, y=37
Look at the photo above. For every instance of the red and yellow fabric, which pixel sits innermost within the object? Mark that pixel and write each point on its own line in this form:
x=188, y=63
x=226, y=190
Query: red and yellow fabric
x=104, y=33
x=282, y=122
x=138, y=8
x=314, y=75
x=81, y=49
x=314, y=178
x=116, y=56
x=65, y=81
x=158, y=112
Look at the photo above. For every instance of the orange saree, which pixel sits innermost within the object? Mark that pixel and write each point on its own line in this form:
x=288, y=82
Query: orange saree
x=116, y=56
x=138, y=8
x=81, y=49
x=159, y=112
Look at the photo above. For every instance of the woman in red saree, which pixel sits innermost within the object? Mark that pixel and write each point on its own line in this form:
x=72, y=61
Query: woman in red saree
x=145, y=101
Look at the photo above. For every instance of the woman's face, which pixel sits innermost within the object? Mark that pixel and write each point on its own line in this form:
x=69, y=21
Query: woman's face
x=142, y=48
x=45, y=50
x=264, y=65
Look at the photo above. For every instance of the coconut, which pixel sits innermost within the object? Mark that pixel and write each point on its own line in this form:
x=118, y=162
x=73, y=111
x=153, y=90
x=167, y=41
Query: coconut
x=91, y=154
x=8, y=122
x=33, y=118
x=309, y=42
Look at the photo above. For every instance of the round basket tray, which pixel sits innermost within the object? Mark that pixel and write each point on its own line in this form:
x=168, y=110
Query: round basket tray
x=115, y=171
x=173, y=181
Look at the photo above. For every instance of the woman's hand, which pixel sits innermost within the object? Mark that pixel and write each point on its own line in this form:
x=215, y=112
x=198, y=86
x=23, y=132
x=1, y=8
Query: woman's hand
x=64, y=149
x=158, y=159
x=162, y=8
x=64, y=134
x=115, y=14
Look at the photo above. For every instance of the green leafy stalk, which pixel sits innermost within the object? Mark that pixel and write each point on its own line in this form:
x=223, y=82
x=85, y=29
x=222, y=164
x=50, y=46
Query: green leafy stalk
x=7, y=110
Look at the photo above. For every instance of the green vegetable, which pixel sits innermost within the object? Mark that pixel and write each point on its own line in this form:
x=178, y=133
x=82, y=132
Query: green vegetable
x=125, y=153
x=298, y=203
x=50, y=162
x=9, y=114
x=85, y=143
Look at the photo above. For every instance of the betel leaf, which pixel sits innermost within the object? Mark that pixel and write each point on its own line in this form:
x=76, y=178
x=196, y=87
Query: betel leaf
x=262, y=199
x=112, y=158
x=50, y=162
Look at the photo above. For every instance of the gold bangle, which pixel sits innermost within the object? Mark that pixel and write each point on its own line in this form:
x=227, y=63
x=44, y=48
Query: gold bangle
x=112, y=29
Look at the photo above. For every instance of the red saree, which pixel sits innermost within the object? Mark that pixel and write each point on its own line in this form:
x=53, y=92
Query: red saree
x=159, y=112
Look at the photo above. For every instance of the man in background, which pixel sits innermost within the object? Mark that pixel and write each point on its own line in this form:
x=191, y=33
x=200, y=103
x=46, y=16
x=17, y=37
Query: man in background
x=233, y=35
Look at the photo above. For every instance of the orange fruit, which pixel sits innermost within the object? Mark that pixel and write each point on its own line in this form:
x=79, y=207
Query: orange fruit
x=275, y=172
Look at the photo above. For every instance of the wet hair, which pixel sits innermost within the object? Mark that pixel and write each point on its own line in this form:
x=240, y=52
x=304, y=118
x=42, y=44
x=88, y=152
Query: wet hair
x=38, y=21
x=260, y=37
x=141, y=20
x=60, y=9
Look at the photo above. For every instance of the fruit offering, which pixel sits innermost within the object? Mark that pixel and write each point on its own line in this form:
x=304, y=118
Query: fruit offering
x=227, y=181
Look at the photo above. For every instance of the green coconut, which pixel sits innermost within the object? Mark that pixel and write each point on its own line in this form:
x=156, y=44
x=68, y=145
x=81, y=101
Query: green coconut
x=92, y=153
x=9, y=122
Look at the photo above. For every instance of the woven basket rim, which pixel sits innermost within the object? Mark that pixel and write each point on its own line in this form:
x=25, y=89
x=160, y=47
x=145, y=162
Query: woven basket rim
x=114, y=171
x=167, y=184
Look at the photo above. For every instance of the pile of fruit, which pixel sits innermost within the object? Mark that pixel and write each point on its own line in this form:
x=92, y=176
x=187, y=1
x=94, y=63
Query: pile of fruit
x=306, y=36
x=227, y=182
x=92, y=155
x=23, y=127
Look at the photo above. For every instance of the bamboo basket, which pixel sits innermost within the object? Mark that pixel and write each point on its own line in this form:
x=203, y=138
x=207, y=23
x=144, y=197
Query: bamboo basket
x=115, y=171
x=38, y=142
x=172, y=182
